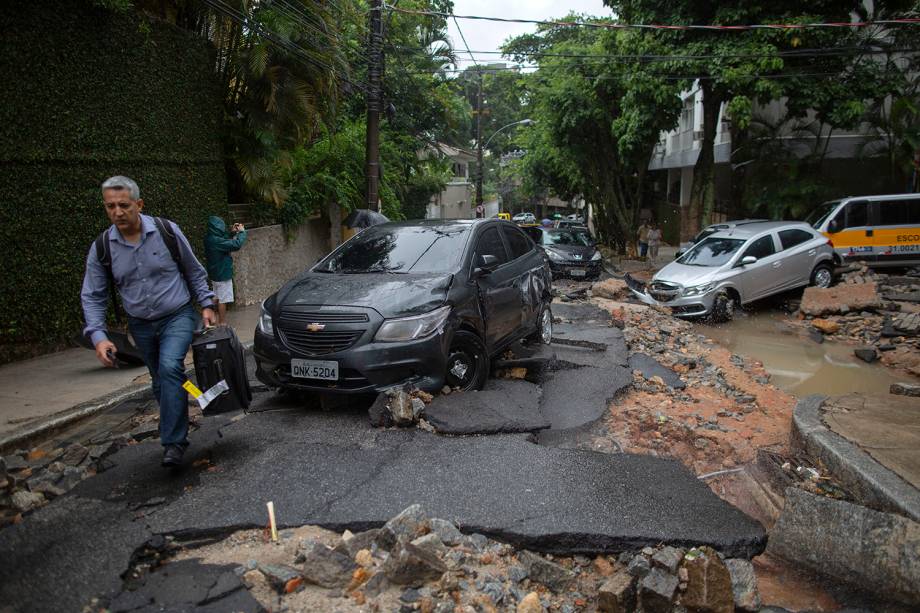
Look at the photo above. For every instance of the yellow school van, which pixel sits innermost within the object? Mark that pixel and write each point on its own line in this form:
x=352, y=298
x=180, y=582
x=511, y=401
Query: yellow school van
x=879, y=230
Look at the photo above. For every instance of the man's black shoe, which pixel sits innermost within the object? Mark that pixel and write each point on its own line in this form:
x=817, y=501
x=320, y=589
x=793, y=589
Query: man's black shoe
x=172, y=456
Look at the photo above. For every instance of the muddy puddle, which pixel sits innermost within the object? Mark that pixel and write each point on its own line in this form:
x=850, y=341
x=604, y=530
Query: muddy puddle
x=796, y=364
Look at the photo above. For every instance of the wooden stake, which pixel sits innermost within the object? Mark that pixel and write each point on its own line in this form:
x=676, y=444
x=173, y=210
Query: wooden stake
x=271, y=521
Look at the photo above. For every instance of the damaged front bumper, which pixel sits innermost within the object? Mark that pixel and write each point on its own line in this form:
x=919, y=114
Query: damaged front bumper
x=670, y=297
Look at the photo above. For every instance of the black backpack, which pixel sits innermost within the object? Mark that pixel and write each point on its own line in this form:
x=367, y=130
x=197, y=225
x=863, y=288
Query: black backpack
x=104, y=254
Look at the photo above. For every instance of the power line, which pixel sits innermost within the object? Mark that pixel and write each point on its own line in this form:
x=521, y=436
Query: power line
x=625, y=26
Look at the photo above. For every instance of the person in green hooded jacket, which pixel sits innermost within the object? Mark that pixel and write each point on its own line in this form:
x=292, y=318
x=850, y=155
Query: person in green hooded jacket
x=218, y=244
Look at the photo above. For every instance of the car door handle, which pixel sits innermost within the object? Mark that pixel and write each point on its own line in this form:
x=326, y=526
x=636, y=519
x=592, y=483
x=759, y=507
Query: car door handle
x=870, y=232
x=812, y=251
x=777, y=264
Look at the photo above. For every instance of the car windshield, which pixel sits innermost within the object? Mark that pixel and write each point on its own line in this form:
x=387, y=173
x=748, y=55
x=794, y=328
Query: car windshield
x=711, y=251
x=567, y=237
x=821, y=213
x=708, y=232
x=399, y=249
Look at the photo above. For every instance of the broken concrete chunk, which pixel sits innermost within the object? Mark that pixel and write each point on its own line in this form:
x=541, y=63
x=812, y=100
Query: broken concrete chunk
x=410, y=524
x=530, y=604
x=400, y=405
x=617, y=594
x=818, y=301
x=446, y=531
x=278, y=575
x=144, y=431
x=905, y=389
x=375, y=585
x=24, y=500
x=611, y=289
x=379, y=412
x=325, y=567
x=827, y=326
x=362, y=540
x=638, y=566
x=709, y=584
x=550, y=574
x=412, y=566
x=744, y=584
x=431, y=542
x=866, y=354
x=668, y=558
x=657, y=590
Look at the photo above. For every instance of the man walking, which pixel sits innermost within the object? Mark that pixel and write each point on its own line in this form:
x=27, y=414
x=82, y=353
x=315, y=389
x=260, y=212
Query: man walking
x=218, y=244
x=157, y=291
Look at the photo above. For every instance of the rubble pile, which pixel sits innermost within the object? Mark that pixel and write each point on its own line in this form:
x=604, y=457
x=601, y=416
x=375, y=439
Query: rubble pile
x=29, y=479
x=723, y=410
x=877, y=312
x=418, y=563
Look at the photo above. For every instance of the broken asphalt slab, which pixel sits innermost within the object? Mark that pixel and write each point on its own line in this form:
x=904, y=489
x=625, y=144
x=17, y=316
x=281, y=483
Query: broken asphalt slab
x=584, y=313
x=649, y=367
x=504, y=406
x=332, y=470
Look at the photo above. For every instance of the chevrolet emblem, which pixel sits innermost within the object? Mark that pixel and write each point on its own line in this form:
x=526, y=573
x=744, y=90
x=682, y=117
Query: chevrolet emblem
x=315, y=327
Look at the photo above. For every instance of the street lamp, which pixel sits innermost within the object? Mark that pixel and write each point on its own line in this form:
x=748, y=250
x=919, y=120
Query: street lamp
x=480, y=146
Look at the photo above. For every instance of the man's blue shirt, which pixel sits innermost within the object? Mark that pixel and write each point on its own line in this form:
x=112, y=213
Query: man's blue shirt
x=147, y=278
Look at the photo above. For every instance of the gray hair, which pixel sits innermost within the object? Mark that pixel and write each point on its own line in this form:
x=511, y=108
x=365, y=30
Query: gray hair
x=120, y=182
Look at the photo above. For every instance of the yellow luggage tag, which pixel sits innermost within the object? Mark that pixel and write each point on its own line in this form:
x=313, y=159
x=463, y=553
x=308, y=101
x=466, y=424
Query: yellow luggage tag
x=191, y=389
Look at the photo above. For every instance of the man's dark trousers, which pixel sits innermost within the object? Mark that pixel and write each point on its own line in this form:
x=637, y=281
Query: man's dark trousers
x=164, y=343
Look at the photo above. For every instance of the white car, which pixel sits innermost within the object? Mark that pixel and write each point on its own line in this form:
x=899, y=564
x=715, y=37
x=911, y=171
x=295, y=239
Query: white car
x=524, y=218
x=734, y=267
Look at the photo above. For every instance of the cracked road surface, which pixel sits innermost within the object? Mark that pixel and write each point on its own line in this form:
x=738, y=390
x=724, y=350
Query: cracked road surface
x=332, y=469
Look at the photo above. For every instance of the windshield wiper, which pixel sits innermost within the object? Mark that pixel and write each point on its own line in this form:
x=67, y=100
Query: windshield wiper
x=375, y=269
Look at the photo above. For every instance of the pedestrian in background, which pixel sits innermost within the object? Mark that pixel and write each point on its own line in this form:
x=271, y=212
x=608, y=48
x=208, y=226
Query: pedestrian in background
x=642, y=235
x=158, y=277
x=654, y=240
x=218, y=245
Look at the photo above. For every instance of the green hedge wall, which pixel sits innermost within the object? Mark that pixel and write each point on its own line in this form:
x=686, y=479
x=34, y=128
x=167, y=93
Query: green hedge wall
x=86, y=93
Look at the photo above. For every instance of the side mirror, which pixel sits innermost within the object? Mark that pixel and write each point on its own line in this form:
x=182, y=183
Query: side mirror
x=487, y=263
x=833, y=226
x=748, y=259
x=679, y=253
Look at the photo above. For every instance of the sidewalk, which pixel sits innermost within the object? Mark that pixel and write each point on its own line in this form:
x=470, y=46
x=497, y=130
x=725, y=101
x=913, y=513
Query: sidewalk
x=51, y=390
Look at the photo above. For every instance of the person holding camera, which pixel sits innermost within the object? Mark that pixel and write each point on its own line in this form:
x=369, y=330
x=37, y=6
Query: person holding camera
x=219, y=243
x=151, y=264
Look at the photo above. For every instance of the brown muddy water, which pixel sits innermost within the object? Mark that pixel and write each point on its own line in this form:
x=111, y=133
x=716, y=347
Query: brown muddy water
x=797, y=364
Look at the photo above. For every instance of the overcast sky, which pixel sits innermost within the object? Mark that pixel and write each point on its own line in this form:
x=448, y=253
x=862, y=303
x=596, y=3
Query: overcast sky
x=489, y=35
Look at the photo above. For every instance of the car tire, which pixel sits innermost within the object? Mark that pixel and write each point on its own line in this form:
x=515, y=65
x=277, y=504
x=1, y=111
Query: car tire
x=543, y=335
x=467, y=362
x=723, y=308
x=822, y=276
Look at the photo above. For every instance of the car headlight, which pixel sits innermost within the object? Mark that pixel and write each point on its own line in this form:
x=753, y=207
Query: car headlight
x=597, y=256
x=554, y=256
x=265, y=321
x=410, y=328
x=696, y=290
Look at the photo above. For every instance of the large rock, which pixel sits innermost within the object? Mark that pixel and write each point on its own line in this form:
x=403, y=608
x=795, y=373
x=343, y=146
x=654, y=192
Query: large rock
x=744, y=584
x=657, y=590
x=412, y=566
x=905, y=389
x=612, y=289
x=550, y=574
x=617, y=594
x=879, y=552
x=411, y=523
x=818, y=301
x=709, y=584
x=391, y=407
x=826, y=326
x=324, y=566
x=279, y=575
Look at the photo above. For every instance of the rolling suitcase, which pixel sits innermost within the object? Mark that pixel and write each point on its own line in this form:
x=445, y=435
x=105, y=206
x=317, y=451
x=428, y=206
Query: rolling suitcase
x=218, y=356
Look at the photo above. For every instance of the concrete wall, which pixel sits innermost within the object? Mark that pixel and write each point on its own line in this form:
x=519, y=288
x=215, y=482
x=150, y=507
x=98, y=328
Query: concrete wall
x=268, y=260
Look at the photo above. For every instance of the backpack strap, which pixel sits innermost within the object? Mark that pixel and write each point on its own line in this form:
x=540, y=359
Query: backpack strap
x=104, y=254
x=169, y=237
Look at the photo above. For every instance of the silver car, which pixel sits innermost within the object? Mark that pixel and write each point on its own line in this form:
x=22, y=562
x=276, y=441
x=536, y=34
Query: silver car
x=734, y=267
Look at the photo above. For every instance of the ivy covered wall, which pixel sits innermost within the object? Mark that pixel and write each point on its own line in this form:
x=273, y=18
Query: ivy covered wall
x=86, y=93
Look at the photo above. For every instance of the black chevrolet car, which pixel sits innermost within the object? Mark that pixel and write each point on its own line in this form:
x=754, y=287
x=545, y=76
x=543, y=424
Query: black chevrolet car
x=420, y=302
x=571, y=252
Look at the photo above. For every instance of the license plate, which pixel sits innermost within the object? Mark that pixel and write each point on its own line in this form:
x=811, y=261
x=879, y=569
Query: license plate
x=577, y=272
x=315, y=369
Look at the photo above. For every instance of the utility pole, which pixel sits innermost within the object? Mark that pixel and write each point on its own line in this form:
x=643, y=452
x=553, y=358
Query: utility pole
x=479, y=144
x=374, y=74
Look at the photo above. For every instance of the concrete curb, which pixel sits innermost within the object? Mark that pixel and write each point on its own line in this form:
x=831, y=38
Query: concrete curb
x=44, y=425
x=874, y=485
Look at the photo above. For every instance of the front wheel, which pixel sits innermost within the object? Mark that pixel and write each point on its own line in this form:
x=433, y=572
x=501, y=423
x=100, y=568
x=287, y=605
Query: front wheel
x=723, y=307
x=544, y=332
x=467, y=362
x=822, y=276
